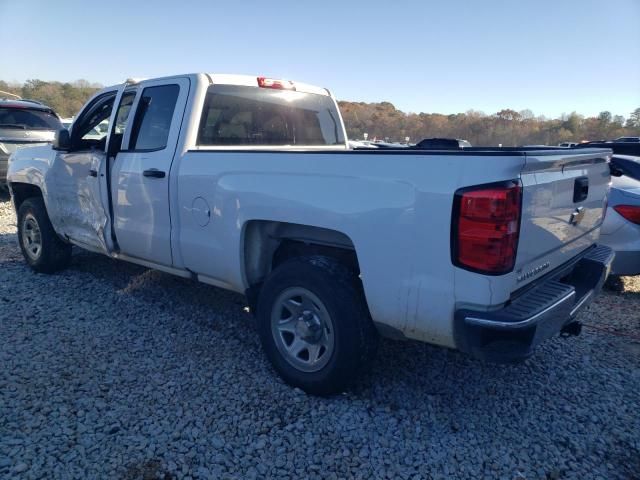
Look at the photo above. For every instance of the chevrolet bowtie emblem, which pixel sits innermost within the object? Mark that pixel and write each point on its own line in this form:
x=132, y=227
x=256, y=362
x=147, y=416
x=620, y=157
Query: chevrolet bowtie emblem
x=577, y=216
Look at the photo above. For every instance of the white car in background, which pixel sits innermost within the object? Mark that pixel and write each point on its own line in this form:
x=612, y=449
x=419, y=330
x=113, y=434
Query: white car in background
x=98, y=132
x=66, y=122
x=360, y=144
x=621, y=228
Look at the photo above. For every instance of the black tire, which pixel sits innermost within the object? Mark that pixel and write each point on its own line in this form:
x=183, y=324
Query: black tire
x=354, y=336
x=54, y=254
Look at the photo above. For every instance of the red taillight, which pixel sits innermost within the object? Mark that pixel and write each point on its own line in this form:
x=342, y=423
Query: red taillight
x=486, y=225
x=630, y=212
x=277, y=84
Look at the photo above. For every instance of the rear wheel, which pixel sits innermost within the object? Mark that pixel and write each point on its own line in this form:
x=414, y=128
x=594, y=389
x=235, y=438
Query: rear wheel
x=314, y=324
x=41, y=247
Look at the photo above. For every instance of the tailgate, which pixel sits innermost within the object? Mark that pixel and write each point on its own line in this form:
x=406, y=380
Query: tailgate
x=564, y=195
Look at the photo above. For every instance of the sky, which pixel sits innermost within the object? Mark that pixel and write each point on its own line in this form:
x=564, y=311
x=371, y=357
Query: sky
x=447, y=56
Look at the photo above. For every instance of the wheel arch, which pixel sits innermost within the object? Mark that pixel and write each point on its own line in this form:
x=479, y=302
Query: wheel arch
x=267, y=244
x=22, y=191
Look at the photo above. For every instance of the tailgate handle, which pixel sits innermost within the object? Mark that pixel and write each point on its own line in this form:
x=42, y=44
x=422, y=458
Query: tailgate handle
x=580, y=189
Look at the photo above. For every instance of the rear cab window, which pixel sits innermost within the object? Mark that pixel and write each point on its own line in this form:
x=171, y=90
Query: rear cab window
x=245, y=116
x=28, y=119
x=152, y=121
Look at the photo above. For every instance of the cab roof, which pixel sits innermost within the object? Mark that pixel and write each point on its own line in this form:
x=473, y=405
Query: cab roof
x=243, y=80
x=252, y=81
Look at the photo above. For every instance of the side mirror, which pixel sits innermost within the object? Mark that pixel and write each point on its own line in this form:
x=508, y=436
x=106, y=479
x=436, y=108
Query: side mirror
x=62, y=140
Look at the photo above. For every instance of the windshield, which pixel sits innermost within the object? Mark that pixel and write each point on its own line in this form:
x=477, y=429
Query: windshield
x=28, y=119
x=239, y=115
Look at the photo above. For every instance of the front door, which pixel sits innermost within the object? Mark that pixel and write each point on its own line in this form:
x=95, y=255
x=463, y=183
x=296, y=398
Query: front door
x=78, y=185
x=140, y=175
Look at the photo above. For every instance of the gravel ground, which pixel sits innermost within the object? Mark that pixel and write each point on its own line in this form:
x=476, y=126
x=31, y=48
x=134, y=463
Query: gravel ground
x=108, y=370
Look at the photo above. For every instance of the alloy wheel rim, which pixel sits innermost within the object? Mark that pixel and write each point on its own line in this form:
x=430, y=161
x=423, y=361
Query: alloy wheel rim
x=302, y=329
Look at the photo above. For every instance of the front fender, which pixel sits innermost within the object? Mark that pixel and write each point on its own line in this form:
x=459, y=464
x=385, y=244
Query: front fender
x=30, y=165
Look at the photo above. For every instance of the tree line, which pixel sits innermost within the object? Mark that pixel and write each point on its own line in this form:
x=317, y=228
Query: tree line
x=384, y=121
x=506, y=127
x=66, y=98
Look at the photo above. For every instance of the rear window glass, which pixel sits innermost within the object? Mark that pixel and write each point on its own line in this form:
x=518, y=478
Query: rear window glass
x=28, y=119
x=152, y=122
x=239, y=115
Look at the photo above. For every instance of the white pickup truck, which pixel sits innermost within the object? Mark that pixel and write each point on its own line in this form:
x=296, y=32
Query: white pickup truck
x=247, y=183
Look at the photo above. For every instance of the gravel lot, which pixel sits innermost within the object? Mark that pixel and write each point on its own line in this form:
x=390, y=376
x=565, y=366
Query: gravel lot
x=109, y=370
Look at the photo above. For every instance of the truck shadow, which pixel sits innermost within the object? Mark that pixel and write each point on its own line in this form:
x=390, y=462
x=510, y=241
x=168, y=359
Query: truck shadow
x=407, y=363
x=160, y=290
x=617, y=285
x=420, y=370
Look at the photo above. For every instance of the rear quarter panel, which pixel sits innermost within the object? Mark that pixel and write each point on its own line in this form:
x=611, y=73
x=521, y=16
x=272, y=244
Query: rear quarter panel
x=395, y=208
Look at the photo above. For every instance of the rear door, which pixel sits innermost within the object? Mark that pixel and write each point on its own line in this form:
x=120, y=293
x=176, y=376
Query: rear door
x=563, y=204
x=140, y=175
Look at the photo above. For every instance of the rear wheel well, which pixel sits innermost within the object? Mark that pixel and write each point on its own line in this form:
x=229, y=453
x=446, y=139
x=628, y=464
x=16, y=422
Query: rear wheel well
x=268, y=244
x=291, y=248
x=21, y=191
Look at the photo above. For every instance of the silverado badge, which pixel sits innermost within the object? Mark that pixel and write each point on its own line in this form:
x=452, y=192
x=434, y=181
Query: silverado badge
x=533, y=272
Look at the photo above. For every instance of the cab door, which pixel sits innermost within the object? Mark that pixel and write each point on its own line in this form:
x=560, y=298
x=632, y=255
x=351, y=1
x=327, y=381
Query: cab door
x=140, y=176
x=76, y=175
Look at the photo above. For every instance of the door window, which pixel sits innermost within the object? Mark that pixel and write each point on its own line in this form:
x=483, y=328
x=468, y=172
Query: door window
x=91, y=128
x=123, y=111
x=152, y=122
x=122, y=118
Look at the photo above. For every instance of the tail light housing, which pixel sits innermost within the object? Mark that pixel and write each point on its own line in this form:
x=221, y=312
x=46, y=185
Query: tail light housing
x=486, y=227
x=629, y=212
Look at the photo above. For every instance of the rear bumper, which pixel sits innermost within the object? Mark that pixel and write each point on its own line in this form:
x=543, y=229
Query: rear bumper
x=511, y=333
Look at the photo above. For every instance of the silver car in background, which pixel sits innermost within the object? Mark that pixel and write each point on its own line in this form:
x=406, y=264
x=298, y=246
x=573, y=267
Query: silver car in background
x=24, y=123
x=621, y=227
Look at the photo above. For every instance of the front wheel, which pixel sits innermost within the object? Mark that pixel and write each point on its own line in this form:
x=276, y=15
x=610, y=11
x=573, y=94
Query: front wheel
x=41, y=247
x=314, y=324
